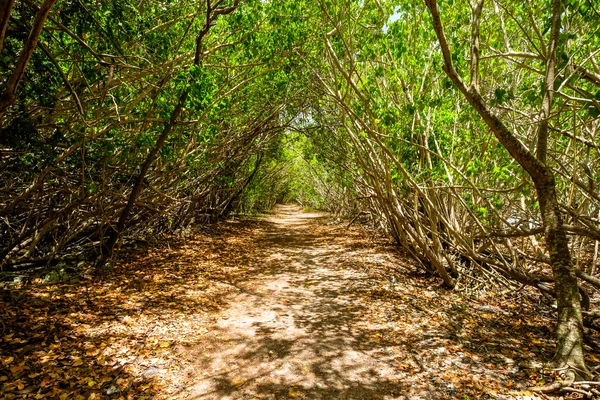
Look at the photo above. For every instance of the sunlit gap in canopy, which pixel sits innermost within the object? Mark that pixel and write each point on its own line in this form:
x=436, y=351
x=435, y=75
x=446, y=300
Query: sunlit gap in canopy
x=304, y=176
x=393, y=18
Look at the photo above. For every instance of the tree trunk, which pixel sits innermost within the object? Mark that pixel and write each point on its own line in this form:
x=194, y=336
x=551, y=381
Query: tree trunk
x=114, y=233
x=231, y=201
x=8, y=97
x=569, y=333
x=5, y=10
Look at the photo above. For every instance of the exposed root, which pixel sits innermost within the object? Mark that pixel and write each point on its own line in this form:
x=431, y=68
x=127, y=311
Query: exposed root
x=568, y=375
x=579, y=389
x=553, y=387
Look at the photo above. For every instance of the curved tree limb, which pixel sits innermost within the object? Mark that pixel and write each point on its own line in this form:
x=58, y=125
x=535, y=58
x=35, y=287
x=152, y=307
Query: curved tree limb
x=7, y=98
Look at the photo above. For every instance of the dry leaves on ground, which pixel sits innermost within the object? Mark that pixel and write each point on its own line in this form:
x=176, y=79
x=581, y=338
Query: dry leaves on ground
x=126, y=335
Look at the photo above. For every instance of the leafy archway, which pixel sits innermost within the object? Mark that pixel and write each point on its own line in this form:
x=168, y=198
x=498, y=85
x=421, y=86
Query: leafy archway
x=122, y=119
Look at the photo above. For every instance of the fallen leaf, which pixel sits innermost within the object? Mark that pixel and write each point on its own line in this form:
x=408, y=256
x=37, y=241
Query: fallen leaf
x=594, y=359
x=17, y=369
x=45, y=382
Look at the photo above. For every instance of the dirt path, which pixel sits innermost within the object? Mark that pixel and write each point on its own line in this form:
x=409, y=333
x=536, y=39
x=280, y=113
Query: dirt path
x=284, y=307
x=296, y=330
x=329, y=314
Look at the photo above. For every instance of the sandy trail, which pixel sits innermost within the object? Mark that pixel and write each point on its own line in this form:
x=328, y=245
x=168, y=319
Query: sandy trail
x=296, y=329
x=284, y=307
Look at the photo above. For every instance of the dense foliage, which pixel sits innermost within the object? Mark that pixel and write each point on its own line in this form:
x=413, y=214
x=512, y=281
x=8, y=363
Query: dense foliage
x=132, y=118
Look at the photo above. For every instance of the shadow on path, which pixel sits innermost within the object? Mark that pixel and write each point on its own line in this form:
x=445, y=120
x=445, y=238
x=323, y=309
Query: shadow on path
x=314, y=322
x=282, y=307
x=297, y=330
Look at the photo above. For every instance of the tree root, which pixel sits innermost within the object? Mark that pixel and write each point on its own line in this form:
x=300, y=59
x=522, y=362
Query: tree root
x=584, y=389
x=551, y=388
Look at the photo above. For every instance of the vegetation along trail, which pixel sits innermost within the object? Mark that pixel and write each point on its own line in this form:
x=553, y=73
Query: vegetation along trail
x=463, y=136
x=285, y=306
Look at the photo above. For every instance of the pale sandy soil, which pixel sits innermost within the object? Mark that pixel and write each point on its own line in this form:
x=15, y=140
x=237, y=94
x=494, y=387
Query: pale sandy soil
x=290, y=306
x=297, y=329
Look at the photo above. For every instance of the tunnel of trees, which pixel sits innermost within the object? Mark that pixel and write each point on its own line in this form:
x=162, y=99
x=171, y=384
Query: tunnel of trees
x=467, y=131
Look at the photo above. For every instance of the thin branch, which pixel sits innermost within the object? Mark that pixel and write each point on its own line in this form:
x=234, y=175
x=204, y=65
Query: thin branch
x=5, y=10
x=8, y=97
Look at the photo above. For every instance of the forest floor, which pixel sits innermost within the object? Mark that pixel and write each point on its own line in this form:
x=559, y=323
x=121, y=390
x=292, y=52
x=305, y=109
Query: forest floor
x=285, y=306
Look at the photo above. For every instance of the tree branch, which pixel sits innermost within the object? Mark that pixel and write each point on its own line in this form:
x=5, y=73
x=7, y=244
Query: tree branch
x=542, y=140
x=8, y=97
x=520, y=153
x=5, y=10
x=476, y=8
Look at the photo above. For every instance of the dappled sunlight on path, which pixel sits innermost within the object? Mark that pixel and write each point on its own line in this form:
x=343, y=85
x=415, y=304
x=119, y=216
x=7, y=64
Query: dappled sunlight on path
x=310, y=325
x=296, y=330
x=284, y=306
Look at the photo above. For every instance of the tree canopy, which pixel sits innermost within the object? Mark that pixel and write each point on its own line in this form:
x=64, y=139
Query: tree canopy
x=466, y=130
